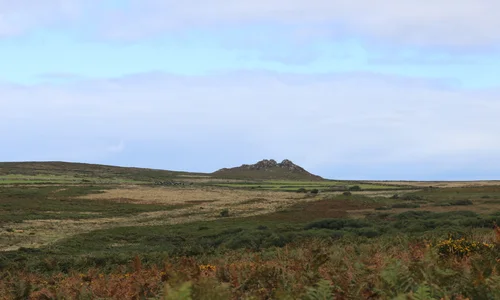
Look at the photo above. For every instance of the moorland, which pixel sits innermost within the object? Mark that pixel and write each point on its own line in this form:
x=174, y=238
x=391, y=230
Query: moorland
x=263, y=231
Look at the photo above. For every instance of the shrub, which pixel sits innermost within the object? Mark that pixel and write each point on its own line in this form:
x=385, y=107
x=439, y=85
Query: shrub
x=275, y=240
x=355, y=188
x=456, y=202
x=412, y=214
x=412, y=227
x=314, y=191
x=405, y=205
x=457, y=214
x=224, y=213
x=461, y=247
x=383, y=208
x=462, y=202
x=412, y=197
x=368, y=232
x=395, y=196
x=244, y=241
x=302, y=190
x=337, y=235
x=347, y=193
x=337, y=224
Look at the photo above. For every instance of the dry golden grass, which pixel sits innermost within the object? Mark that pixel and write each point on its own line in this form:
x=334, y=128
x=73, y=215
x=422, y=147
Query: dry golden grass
x=201, y=204
x=209, y=201
x=208, y=197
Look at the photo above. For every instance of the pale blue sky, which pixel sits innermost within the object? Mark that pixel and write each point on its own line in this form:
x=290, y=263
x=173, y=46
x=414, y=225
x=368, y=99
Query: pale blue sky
x=347, y=89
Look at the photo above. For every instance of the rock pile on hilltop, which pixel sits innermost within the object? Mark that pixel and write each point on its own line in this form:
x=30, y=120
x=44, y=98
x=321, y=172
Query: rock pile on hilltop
x=268, y=168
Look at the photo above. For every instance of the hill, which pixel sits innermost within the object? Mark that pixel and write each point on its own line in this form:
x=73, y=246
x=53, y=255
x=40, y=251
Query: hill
x=267, y=169
x=84, y=170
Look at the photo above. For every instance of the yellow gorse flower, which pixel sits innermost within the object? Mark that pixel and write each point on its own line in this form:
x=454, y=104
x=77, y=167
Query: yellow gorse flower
x=208, y=268
x=461, y=247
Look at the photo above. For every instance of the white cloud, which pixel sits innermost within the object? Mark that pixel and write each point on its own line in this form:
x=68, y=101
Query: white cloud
x=360, y=119
x=17, y=16
x=424, y=22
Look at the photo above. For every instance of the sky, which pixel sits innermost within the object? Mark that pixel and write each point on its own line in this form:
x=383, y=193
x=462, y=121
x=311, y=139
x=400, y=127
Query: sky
x=358, y=89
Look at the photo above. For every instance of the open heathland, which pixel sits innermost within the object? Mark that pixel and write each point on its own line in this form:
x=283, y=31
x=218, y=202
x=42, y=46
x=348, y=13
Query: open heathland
x=77, y=231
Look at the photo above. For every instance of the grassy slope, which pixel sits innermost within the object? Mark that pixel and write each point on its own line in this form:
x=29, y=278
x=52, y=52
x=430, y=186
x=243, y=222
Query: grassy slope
x=71, y=170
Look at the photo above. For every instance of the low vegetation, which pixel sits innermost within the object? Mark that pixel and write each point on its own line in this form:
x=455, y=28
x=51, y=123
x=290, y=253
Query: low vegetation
x=129, y=238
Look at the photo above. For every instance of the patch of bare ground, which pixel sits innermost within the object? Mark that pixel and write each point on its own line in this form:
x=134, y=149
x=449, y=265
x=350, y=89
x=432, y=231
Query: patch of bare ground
x=210, y=195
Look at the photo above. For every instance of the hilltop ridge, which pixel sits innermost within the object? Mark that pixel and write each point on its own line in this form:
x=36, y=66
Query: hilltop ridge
x=267, y=169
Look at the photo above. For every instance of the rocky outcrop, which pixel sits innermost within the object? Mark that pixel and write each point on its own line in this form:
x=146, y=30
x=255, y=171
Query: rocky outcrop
x=267, y=166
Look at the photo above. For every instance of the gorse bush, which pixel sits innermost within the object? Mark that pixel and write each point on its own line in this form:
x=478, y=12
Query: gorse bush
x=412, y=197
x=338, y=224
x=461, y=247
x=405, y=205
x=461, y=202
x=383, y=208
x=355, y=188
x=398, y=205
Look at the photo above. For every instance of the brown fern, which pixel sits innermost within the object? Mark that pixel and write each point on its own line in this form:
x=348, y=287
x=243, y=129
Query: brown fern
x=497, y=233
x=137, y=264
